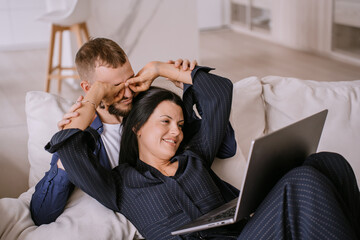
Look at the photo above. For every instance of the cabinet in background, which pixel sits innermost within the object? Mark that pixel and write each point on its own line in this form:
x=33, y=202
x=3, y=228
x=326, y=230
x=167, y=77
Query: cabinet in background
x=327, y=27
x=346, y=28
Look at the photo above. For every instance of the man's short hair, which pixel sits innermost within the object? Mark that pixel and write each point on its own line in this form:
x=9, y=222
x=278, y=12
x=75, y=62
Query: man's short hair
x=98, y=52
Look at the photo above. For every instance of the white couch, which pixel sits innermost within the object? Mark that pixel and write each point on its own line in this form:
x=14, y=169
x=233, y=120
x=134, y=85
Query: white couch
x=259, y=106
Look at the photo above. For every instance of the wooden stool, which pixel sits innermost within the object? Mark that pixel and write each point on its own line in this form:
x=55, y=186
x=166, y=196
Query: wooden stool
x=55, y=72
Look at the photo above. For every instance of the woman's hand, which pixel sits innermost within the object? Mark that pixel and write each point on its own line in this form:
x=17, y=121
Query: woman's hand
x=185, y=64
x=99, y=92
x=109, y=93
x=143, y=80
x=70, y=114
x=171, y=70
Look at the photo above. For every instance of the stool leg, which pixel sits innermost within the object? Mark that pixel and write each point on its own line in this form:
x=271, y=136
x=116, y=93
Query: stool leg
x=86, y=32
x=80, y=41
x=77, y=30
x=50, y=58
x=60, y=58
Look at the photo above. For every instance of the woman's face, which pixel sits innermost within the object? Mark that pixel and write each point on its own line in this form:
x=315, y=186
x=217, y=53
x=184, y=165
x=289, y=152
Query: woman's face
x=161, y=135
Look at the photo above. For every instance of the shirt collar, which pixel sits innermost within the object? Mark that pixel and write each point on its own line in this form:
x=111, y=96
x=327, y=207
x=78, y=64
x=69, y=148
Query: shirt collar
x=97, y=124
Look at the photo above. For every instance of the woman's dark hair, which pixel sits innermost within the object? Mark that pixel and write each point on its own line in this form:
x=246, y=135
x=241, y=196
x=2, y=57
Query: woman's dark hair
x=143, y=106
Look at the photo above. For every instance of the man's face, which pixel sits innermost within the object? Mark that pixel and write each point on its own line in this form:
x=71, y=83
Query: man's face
x=116, y=76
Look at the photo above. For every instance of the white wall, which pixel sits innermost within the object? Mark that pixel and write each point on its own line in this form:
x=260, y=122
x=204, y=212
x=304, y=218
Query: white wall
x=213, y=13
x=19, y=28
x=146, y=29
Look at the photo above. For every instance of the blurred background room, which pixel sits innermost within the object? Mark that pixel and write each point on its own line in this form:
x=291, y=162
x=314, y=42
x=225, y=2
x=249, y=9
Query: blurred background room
x=307, y=39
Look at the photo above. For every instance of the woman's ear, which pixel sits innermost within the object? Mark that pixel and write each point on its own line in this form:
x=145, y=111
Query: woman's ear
x=137, y=133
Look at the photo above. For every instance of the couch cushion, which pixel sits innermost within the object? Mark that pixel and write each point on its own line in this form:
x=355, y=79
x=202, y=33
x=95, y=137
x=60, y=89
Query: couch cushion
x=247, y=112
x=288, y=100
x=43, y=111
x=248, y=120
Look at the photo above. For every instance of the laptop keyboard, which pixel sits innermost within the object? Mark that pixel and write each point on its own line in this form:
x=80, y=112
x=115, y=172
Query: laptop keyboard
x=226, y=214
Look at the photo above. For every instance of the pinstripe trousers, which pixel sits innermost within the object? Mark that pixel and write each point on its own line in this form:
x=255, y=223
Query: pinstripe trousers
x=318, y=200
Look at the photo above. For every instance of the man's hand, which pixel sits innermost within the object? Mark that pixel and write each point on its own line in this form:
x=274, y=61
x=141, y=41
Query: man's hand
x=70, y=114
x=185, y=64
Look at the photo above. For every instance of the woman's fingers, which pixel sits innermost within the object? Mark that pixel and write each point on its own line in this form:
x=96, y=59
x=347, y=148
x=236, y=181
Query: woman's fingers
x=67, y=119
x=178, y=63
x=193, y=64
x=185, y=64
x=70, y=114
x=61, y=124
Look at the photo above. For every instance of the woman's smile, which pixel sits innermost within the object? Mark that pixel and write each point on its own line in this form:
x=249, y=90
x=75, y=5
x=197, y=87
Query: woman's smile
x=172, y=142
x=160, y=137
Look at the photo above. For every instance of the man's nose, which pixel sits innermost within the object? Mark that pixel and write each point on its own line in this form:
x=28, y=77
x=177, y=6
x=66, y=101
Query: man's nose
x=128, y=93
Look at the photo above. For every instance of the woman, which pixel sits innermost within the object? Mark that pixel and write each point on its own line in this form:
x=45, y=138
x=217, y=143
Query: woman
x=161, y=184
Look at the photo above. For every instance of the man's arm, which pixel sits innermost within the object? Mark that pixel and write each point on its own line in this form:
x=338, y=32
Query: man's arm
x=51, y=195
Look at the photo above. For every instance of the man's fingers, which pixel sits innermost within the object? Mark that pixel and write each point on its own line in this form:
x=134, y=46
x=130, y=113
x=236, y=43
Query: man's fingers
x=121, y=93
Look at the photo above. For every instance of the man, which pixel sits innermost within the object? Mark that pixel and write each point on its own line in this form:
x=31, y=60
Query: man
x=100, y=60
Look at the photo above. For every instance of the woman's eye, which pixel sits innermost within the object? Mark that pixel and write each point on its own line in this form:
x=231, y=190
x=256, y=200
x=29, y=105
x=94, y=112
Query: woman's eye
x=165, y=121
x=181, y=126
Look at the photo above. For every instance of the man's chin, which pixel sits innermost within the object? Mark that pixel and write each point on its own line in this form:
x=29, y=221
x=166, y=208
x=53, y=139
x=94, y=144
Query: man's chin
x=120, y=112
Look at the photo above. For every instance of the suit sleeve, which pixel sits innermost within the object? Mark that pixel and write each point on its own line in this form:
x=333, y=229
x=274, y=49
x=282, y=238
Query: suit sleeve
x=75, y=148
x=212, y=95
x=228, y=146
x=51, y=194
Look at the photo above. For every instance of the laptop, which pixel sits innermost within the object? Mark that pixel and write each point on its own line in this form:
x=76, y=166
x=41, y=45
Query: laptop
x=270, y=158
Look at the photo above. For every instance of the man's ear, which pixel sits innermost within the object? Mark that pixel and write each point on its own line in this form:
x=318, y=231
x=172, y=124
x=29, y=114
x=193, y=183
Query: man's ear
x=85, y=85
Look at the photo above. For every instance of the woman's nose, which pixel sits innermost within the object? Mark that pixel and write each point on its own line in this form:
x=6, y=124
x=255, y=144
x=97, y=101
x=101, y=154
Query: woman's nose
x=175, y=130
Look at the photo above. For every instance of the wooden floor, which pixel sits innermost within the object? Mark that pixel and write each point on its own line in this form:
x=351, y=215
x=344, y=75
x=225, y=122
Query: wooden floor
x=237, y=56
x=234, y=55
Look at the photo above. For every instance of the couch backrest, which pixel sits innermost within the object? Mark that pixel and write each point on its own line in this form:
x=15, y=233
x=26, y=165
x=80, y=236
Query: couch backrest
x=288, y=100
x=259, y=106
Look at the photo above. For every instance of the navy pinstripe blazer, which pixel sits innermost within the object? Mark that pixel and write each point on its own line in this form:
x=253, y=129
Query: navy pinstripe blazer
x=154, y=203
